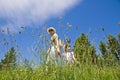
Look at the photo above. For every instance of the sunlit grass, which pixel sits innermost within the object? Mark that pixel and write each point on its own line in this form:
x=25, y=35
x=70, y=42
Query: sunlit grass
x=81, y=72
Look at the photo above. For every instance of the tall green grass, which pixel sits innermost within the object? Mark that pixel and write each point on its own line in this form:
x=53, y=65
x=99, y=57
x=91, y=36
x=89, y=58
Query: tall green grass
x=81, y=72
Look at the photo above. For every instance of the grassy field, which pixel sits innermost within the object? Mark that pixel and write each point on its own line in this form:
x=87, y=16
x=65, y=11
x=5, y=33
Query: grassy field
x=81, y=72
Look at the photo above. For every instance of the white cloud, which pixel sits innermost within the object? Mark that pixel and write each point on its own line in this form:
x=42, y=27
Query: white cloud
x=16, y=13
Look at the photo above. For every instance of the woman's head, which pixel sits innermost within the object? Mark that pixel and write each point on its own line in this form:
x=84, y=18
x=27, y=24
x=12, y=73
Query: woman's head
x=51, y=30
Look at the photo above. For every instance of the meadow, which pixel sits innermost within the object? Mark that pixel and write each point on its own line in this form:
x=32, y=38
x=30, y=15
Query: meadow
x=76, y=72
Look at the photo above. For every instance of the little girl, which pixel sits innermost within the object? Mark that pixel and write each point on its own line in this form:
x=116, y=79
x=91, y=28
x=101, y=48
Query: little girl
x=68, y=55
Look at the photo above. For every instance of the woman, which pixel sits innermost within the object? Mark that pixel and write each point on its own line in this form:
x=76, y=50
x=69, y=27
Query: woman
x=54, y=50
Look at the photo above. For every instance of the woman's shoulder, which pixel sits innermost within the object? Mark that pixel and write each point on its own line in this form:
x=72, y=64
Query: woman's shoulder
x=55, y=35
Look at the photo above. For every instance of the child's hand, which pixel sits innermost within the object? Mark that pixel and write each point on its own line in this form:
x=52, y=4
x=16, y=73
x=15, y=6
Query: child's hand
x=59, y=54
x=77, y=62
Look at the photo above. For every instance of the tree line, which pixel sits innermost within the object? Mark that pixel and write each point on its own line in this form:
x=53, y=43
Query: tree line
x=84, y=52
x=109, y=50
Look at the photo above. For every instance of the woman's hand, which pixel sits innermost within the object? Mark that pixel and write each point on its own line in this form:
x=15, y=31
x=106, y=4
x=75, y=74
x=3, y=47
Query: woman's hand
x=59, y=54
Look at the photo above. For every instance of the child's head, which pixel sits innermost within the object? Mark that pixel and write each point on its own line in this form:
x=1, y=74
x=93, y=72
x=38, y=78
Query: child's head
x=67, y=47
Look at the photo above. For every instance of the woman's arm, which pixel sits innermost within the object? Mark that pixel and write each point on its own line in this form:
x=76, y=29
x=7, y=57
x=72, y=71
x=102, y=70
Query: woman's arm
x=57, y=44
x=48, y=51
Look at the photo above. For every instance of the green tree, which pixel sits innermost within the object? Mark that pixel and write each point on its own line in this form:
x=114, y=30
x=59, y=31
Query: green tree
x=113, y=45
x=92, y=53
x=119, y=38
x=105, y=52
x=10, y=58
x=84, y=51
x=110, y=50
x=118, y=49
x=103, y=49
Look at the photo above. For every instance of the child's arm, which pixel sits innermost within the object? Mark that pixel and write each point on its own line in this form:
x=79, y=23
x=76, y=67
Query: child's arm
x=73, y=57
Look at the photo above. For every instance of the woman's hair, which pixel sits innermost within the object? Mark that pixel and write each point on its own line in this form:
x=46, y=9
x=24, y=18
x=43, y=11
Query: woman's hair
x=51, y=30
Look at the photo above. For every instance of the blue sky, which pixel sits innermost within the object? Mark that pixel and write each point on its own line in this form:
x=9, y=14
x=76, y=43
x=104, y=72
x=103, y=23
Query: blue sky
x=84, y=16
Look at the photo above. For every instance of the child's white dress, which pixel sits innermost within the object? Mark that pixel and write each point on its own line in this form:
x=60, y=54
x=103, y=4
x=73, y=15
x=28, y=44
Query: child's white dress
x=68, y=57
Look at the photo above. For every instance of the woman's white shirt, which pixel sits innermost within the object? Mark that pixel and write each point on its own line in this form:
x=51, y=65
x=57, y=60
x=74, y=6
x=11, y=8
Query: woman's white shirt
x=52, y=56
